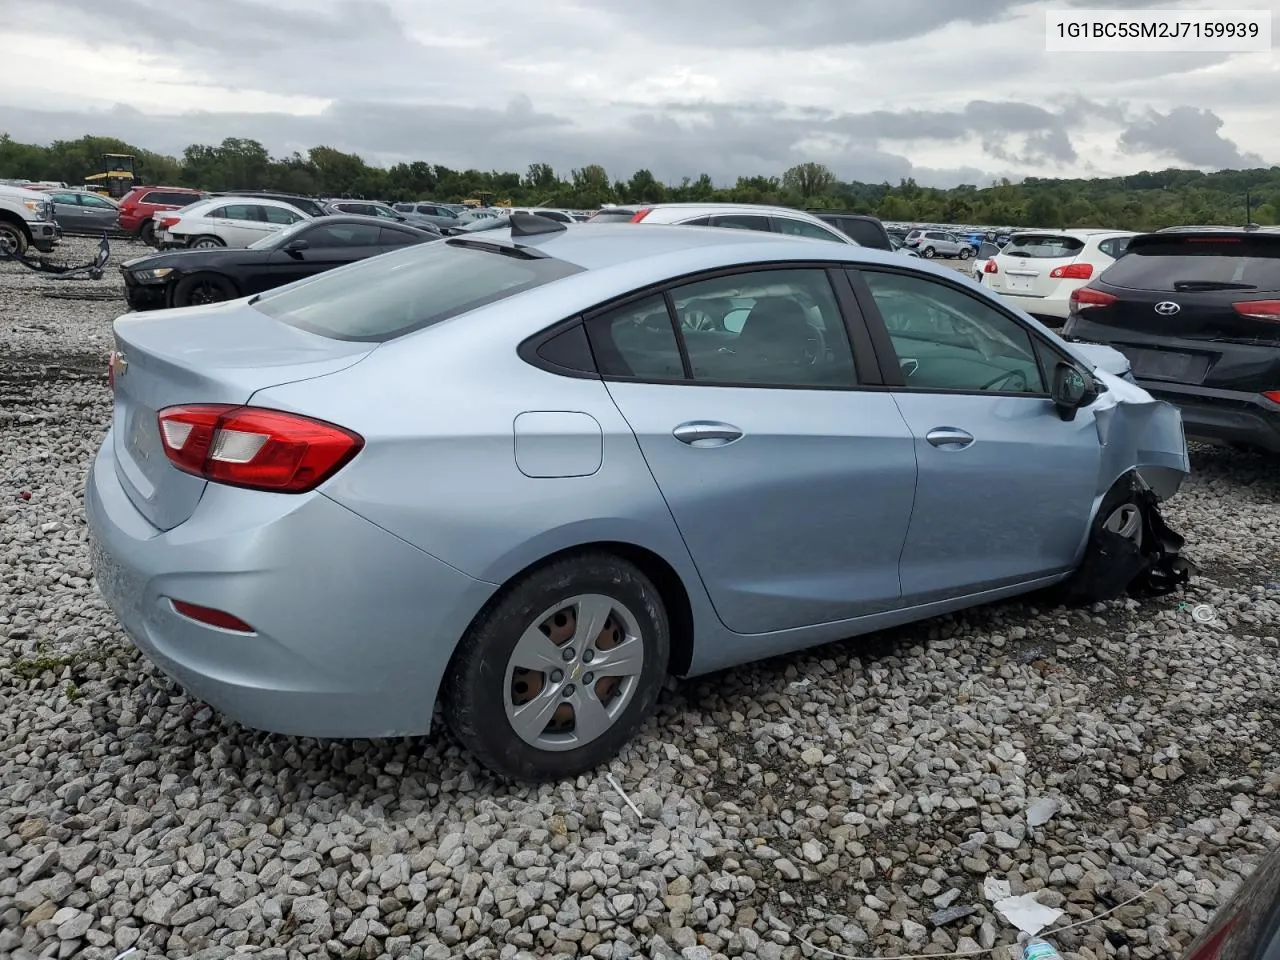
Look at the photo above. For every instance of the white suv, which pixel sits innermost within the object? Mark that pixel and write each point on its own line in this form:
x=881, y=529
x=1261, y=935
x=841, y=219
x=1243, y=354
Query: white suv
x=1037, y=271
x=742, y=216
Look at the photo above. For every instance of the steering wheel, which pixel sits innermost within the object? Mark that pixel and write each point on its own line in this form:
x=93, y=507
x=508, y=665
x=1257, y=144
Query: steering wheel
x=814, y=348
x=1020, y=377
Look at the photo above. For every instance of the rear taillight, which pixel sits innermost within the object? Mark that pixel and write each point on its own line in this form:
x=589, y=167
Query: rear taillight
x=167, y=222
x=990, y=267
x=1072, y=271
x=254, y=447
x=1272, y=395
x=1086, y=298
x=640, y=214
x=210, y=616
x=1258, y=309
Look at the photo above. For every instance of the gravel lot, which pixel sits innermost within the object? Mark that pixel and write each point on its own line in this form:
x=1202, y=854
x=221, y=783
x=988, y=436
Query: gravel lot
x=830, y=802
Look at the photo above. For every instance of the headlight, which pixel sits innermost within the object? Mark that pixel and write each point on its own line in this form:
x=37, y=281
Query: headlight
x=43, y=209
x=152, y=276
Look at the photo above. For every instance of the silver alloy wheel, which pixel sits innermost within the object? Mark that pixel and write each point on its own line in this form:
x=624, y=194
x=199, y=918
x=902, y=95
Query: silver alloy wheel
x=204, y=243
x=10, y=239
x=1126, y=521
x=573, y=671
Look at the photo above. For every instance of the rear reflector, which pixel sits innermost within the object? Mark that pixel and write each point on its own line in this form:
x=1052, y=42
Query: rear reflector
x=254, y=447
x=1086, y=298
x=211, y=617
x=640, y=215
x=990, y=267
x=1258, y=309
x=1072, y=271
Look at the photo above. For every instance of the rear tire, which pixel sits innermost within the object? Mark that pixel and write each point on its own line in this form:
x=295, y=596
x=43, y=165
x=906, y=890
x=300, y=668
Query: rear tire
x=148, y=234
x=965, y=253
x=542, y=617
x=205, y=243
x=928, y=253
x=13, y=239
x=200, y=289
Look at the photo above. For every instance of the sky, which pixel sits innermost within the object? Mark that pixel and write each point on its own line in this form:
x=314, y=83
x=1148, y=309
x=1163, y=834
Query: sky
x=945, y=91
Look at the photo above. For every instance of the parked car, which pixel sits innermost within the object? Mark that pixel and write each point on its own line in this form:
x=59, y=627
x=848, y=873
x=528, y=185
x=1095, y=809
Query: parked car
x=383, y=211
x=938, y=243
x=1038, y=270
x=224, y=222
x=982, y=260
x=899, y=247
x=741, y=216
x=83, y=212
x=436, y=213
x=562, y=486
x=1247, y=926
x=1197, y=313
x=311, y=206
x=184, y=278
x=560, y=216
x=864, y=230
x=139, y=206
x=26, y=220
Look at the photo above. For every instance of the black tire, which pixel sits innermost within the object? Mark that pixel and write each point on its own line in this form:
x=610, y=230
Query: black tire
x=928, y=253
x=205, y=242
x=13, y=238
x=148, y=233
x=1083, y=587
x=478, y=682
x=200, y=289
x=965, y=253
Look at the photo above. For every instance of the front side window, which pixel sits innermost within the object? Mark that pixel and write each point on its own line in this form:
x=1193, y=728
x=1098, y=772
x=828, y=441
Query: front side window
x=329, y=235
x=396, y=238
x=768, y=327
x=802, y=228
x=280, y=215
x=99, y=203
x=742, y=221
x=389, y=296
x=947, y=340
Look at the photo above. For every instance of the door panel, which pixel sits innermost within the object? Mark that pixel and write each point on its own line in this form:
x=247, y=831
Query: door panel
x=801, y=519
x=1011, y=505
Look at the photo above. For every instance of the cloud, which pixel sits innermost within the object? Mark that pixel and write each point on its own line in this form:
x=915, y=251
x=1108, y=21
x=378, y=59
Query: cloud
x=1188, y=135
x=944, y=92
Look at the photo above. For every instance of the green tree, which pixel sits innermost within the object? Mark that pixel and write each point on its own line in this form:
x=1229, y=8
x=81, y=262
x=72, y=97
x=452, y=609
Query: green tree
x=809, y=180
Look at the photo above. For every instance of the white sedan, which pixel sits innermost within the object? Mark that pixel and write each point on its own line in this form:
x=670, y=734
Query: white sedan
x=1038, y=270
x=233, y=222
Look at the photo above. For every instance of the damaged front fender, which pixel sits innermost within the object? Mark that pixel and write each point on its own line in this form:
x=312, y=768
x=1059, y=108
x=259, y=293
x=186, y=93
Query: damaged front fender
x=1141, y=434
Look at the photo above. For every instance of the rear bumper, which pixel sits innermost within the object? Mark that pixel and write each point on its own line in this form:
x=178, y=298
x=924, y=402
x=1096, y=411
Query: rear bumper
x=354, y=627
x=1055, y=307
x=1227, y=416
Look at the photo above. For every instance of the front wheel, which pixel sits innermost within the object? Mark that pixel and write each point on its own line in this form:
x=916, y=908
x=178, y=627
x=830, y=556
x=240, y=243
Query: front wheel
x=928, y=253
x=560, y=670
x=203, y=288
x=965, y=253
x=13, y=239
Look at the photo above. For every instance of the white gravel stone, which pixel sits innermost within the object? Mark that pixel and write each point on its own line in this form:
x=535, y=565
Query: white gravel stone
x=906, y=768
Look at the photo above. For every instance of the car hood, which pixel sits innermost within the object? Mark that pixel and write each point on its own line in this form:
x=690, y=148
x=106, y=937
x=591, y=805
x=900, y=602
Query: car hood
x=1103, y=357
x=1139, y=433
x=193, y=259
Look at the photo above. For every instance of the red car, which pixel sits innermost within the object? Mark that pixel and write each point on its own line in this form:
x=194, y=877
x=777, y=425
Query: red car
x=1247, y=927
x=141, y=202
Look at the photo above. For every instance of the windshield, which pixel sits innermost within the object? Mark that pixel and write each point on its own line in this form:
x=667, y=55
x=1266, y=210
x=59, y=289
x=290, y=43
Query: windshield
x=278, y=239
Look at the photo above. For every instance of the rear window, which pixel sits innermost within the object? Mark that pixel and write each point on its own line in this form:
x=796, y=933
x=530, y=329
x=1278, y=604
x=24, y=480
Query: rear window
x=866, y=233
x=612, y=216
x=388, y=296
x=1182, y=264
x=1043, y=246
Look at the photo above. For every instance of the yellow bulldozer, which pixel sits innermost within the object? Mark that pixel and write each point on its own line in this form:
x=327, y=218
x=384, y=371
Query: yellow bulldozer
x=484, y=199
x=117, y=176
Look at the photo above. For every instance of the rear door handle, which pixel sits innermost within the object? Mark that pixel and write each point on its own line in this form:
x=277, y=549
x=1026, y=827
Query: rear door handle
x=706, y=433
x=951, y=438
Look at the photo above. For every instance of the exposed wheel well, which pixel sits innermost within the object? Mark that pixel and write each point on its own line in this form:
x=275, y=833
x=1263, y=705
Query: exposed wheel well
x=10, y=217
x=674, y=596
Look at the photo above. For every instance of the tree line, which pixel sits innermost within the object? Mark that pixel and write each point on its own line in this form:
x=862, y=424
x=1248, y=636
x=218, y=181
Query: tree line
x=1142, y=201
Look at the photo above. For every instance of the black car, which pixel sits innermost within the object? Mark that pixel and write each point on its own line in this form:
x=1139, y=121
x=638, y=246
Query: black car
x=184, y=278
x=1197, y=312
x=866, y=230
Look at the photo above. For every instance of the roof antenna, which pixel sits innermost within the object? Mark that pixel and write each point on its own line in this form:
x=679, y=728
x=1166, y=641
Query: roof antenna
x=531, y=225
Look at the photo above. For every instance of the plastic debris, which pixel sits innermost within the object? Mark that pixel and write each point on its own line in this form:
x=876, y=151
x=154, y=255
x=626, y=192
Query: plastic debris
x=622, y=793
x=1042, y=811
x=1027, y=913
x=951, y=914
x=995, y=889
x=1036, y=948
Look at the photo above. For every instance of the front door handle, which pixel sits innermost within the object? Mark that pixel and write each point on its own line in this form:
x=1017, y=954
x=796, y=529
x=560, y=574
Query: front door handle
x=951, y=438
x=706, y=433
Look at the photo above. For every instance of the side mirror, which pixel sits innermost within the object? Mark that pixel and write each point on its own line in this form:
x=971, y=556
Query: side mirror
x=296, y=246
x=1072, y=389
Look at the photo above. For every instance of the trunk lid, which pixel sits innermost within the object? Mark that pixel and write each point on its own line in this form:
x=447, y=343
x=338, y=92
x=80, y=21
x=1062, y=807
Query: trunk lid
x=219, y=354
x=1027, y=261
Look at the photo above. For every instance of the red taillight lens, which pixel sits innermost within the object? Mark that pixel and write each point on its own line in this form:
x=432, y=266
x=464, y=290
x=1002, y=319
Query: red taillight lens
x=254, y=447
x=1072, y=271
x=1272, y=395
x=640, y=215
x=167, y=222
x=1086, y=298
x=990, y=267
x=210, y=616
x=1259, y=309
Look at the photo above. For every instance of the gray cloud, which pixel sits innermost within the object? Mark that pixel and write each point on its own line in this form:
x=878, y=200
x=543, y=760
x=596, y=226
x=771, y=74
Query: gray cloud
x=1188, y=135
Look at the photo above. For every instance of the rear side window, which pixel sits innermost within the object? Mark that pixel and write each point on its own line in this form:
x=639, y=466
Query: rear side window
x=279, y=215
x=1184, y=264
x=389, y=237
x=170, y=199
x=1114, y=247
x=388, y=296
x=802, y=228
x=865, y=233
x=240, y=211
x=1043, y=246
x=637, y=340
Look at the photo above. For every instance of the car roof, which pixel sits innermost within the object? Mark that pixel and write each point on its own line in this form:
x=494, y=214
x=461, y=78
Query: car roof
x=1218, y=228
x=1080, y=233
x=743, y=207
x=233, y=197
x=604, y=245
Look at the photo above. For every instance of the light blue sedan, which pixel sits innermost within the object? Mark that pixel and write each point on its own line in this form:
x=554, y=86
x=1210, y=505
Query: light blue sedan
x=533, y=471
